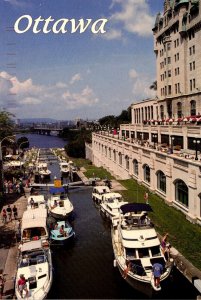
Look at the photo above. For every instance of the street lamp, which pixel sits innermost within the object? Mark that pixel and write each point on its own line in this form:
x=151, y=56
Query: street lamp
x=154, y=136
x=172, y=143
x=9, y=137
x=196, y=142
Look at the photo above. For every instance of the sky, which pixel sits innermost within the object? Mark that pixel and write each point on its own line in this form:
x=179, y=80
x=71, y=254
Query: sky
x=69, y=75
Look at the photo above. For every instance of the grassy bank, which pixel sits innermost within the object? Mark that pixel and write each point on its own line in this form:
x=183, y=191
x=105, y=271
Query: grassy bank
x=183, y=235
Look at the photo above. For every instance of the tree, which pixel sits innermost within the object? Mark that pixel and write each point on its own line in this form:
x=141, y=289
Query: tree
x=153, y=86
x=23, y=142
x=6, y=124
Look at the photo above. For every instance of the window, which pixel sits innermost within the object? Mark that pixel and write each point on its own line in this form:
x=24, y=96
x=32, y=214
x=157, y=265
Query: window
x=190, y=66
x=179, y=109
x=181, y=192
x=193, y=108
x=161, y=181
x=135, y=167
x=175, y=88
x=147, y=173
x=193, y=49
x=194, y=83
x=168, y=46
x=169, y=60
x=190, y=51
x=127, y=163
x=169, y=73
x=191, y=85
x=120, y=159
x=115, y=157
x=169, y=89
x=162, y=111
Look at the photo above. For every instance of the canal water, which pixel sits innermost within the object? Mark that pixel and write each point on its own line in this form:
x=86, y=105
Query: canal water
x=84, y=269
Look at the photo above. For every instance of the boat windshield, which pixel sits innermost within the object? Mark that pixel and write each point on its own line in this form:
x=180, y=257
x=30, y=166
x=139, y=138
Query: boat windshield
x=30, y=259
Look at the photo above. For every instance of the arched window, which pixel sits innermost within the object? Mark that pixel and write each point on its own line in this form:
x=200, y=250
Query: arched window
x=161, y=181
x=135, y=167
x=127, y=162
x=110, y=153
x=162, y=111
x=105, y=151
x=193, y=108
x=181, y=192
x=120, y=158
x=147, y=173
x=179, y=109
x=115, y=157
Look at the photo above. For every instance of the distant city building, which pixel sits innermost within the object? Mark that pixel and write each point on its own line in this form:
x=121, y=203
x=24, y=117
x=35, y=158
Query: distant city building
x=161, y=147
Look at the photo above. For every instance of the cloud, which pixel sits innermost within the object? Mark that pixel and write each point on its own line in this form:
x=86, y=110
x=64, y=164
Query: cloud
x=134, y=15
x=113, y=34
x=24, y=95
x=75, y=78
x=84, y=98
x=133, y=74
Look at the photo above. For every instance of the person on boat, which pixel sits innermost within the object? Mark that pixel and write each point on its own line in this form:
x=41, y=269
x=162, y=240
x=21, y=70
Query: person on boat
x=22, y=286
x=32, y=203
x=164, y=243
x=127, y=269
x=62, y=231
x=157, y=270
x=56, y=226
x=146, y=197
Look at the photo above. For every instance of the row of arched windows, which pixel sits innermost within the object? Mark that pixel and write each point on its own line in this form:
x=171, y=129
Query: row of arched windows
x=181, y=189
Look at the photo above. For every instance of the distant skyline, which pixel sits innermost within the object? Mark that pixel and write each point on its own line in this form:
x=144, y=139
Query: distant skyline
x=68, y=76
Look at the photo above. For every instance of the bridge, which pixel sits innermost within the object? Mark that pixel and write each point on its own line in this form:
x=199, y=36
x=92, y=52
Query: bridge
x=47, y=130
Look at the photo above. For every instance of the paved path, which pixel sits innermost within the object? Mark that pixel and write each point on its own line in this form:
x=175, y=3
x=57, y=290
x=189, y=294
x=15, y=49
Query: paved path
x=9, y=244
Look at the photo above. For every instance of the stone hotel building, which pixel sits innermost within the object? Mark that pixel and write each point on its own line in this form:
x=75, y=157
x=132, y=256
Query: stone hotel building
x=161, y=147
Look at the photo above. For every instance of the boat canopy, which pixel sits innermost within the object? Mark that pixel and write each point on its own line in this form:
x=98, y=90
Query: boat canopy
x=57, y=190
x=31, y=245
x=135, y=207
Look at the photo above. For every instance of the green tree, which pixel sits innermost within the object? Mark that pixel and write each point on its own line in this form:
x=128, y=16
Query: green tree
x=153, y=86
x=23, y=142
x=6, y=124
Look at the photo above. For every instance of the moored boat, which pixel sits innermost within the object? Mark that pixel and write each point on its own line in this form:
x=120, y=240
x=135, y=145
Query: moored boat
x=61, y=237
x=59, y=205
x=111, y=204
x=35, y=264
x=64, y=167
x=43, y=169
x=34, y=225
x=98, y=192
x=135, y=241
x=36, y=201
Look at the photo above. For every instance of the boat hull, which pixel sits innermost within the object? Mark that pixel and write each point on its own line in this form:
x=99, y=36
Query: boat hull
x=60, y=216
x=63, y=242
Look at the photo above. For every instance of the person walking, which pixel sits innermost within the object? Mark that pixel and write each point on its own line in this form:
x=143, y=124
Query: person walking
x=15, y=212
x=9, y=213
x=4, y=216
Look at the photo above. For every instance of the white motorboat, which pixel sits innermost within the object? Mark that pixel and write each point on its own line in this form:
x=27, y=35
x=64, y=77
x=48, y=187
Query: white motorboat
x=35, y=264
x=98, y=193
x=43, y=169
x=34, y=225
x=135, y=241
x=36, y=201
x=64, y=167
x=59, y=205
x=110, y=204
x=59, y=238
